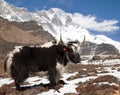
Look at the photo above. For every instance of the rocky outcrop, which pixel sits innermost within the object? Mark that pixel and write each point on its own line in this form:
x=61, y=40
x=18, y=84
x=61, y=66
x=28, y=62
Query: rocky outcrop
x=99, y=49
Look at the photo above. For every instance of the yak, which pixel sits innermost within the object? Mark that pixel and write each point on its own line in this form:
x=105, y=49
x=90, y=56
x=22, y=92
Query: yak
x=24, y=60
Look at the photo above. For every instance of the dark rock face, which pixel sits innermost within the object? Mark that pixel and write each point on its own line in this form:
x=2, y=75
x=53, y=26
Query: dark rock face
x=96, y=49
x=106, y=49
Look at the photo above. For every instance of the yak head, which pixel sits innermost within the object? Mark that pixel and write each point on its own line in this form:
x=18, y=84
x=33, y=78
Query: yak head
x=72, y=49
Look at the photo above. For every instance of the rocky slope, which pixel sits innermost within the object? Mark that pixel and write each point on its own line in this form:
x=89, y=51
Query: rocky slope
x=34, y=29
x=11, y=33
x=98, y=49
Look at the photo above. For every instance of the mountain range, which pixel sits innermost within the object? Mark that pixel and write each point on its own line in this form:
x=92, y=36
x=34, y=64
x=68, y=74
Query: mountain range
x=55, y=21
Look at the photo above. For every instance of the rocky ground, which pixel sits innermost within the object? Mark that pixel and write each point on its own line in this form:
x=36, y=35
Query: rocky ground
x=83, y=80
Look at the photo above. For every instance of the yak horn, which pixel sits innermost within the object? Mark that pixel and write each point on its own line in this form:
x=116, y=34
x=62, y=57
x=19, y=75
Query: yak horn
x=83, y=42
x=61, y=41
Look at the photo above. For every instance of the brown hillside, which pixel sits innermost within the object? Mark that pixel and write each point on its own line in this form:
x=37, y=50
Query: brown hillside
x=34, y=29
x=11, y=33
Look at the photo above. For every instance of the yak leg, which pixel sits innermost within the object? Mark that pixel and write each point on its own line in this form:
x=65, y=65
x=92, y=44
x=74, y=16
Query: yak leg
x=54, y=77
x=19, y=76
x=17, y=84
x=19, y=80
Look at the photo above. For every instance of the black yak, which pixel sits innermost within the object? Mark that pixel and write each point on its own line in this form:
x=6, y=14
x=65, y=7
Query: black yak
x=54, y=59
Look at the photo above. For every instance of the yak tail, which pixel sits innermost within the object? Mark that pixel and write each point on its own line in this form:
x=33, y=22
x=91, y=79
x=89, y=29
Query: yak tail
x=7, y=65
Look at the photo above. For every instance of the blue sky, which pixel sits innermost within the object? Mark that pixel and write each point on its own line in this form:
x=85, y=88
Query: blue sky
x=100, y=9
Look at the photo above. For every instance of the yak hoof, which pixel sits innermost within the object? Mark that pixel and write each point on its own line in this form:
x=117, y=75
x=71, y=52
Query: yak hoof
x=62, y=82
x=19, y=88
x=51, y=86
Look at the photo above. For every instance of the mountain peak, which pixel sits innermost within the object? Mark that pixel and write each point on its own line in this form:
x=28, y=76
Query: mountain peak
x=54, y=21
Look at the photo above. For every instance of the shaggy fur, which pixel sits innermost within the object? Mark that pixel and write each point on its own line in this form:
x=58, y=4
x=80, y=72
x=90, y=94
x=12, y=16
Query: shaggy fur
x=34, y=59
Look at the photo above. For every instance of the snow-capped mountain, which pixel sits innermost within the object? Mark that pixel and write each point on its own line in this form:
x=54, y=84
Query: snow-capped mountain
x=12, y=13
x=55, y=20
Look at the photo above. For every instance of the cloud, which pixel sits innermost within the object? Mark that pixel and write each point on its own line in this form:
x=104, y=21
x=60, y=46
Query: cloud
x=104, y=26
x=91, y=23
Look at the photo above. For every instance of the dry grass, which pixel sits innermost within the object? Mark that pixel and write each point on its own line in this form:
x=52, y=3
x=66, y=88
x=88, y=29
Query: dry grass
x=106, y=78
x=94, y=88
